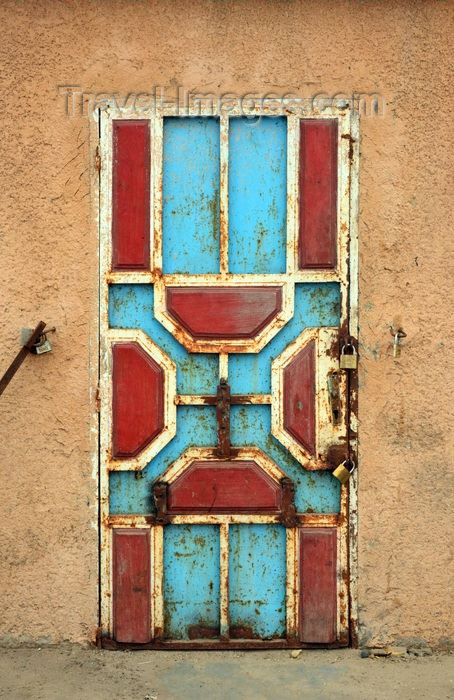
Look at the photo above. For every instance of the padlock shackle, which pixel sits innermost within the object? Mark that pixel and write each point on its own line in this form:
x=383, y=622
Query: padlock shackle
x=348, y=345
x=352, y=463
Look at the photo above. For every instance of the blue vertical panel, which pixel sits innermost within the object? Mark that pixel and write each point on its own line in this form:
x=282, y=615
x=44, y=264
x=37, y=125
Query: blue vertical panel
x=315, y=491
x=131, y=492
x=257, y=578
x=316, y=305
x=131, y=306
x=190, y=187
x=191, y=579
x=257, y=195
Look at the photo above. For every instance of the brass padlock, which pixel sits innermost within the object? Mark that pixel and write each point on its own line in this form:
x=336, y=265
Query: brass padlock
x=348, y=361
x=342, y=473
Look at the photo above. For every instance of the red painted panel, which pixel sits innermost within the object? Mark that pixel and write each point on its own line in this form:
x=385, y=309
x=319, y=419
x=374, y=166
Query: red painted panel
x=131, y=195
x=131, y=585
x=299, y=397
x=224, y=487
x=137, y=401
x=318, y=585
x=318, y=194
x=224, y=312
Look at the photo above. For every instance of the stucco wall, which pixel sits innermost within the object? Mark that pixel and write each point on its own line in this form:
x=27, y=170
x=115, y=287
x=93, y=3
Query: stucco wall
x=49, y=271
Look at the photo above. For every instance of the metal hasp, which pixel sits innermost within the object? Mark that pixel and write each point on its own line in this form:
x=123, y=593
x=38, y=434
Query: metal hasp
x=160, y=502
x=223, y=419
x=334, y=397
x=21, y=355
x=288, y=517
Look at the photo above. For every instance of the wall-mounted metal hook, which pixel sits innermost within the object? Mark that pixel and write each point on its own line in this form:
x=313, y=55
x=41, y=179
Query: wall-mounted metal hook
x=41, y=345
x=31, y=342
x=399, y=332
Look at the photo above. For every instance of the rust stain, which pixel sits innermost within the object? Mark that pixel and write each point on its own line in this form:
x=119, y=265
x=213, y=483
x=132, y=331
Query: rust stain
x=333, y=350
x=351, y=141
x=242, y=632
x=203, y=631
x=211, y=399
x=98, y=160
x=336, y=454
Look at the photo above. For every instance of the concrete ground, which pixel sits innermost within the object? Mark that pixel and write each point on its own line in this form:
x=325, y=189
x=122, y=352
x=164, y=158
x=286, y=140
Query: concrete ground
x=76, y=673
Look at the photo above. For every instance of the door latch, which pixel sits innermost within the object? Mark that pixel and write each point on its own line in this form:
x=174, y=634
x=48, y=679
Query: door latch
x=334, y=397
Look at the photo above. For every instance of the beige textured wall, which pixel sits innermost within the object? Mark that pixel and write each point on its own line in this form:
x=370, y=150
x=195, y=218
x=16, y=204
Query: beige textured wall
x=48, y=271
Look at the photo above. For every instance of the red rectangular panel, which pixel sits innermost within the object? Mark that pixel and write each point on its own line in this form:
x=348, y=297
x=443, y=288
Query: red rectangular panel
x=318, y=585
x=317, y=243
x=131, y=585
x=131, y=195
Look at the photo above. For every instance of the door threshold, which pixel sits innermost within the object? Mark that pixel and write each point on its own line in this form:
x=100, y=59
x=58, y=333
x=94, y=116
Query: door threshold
x=215, y=645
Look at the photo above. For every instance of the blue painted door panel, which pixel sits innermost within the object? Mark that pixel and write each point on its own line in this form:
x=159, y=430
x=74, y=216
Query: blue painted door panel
x=257, y=578
x=191, y=580
x=190, y=211
x=257, y=196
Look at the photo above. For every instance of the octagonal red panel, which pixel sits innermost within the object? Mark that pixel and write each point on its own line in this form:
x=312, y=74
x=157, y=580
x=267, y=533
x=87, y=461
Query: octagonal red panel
x=219, y=313
x=137, y=399
x=224, y=487
x=299, y=397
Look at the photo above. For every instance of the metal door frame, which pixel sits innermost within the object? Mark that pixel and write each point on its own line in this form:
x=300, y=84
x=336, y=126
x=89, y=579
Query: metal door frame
x=346, y=275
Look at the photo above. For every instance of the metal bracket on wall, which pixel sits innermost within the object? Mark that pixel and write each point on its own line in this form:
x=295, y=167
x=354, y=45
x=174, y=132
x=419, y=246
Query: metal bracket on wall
x=35, y=340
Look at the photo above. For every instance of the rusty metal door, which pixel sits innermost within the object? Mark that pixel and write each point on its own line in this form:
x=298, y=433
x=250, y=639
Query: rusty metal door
x=225, y=299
